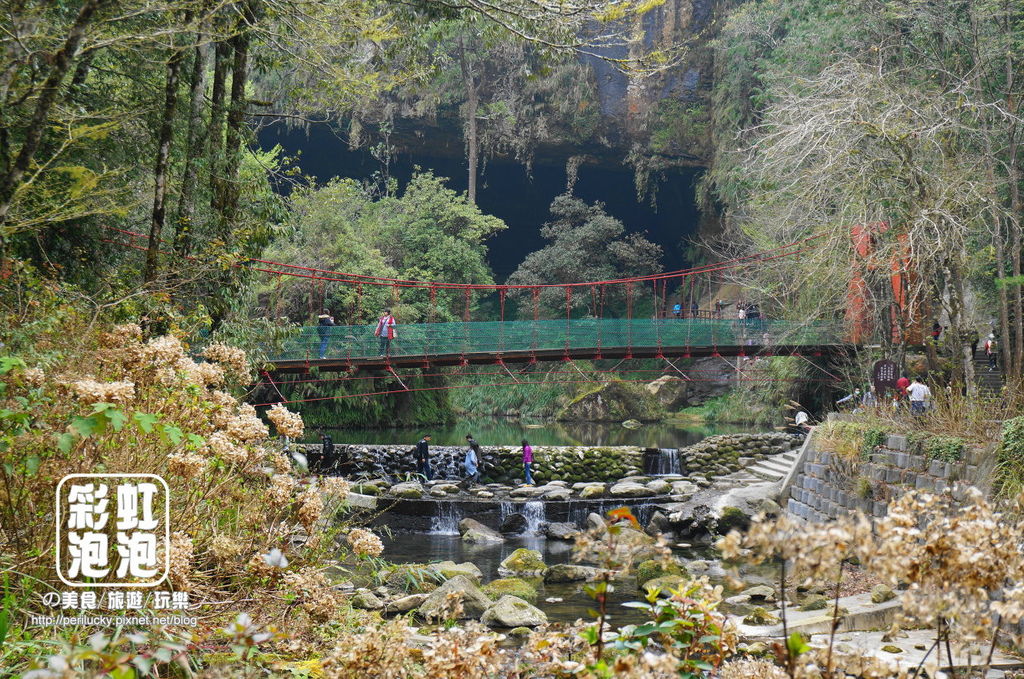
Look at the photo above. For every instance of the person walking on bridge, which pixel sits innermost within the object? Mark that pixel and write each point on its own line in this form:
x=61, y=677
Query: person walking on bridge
x=386, y=332
x=423, y=457
x=324, y=323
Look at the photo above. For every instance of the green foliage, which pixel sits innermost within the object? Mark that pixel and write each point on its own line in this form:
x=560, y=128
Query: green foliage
x=688, y=623
x=429, y=232
x=873, y=437
x=1010, y=466
x=759, y=402
x=936, y=447
x=864, y=488
x=584, y=244
x=944, y=448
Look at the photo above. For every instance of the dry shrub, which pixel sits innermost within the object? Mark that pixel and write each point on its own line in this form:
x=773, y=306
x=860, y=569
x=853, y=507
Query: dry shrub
x=961, y=565
x=747, y=668
x=114, y=401
x=387, y=651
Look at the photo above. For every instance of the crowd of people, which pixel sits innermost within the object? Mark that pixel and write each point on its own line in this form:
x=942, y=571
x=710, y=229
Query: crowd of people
x=912, y=394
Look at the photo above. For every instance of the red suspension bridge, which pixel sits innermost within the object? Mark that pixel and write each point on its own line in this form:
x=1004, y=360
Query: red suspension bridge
x=661, y=332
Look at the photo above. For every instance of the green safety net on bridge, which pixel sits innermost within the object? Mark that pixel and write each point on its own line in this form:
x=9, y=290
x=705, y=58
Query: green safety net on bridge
x=347, y=342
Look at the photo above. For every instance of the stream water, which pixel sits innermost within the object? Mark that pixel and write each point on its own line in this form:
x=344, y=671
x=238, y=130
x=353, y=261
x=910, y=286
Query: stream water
x=572, y=602
x=562, y=602
x=496, y=431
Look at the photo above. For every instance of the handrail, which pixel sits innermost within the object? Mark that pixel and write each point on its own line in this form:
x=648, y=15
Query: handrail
x=355, y=342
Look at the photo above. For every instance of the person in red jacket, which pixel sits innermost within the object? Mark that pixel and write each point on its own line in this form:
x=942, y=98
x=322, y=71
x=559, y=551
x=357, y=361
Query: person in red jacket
x=386, y=332
x=901, y=387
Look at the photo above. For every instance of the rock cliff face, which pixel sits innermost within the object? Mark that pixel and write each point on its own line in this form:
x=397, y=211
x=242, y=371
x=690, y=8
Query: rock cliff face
x=639, y=118
x=676, y=22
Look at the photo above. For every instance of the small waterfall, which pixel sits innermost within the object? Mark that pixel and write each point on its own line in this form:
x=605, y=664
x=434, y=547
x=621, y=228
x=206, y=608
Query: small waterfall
x=533, y=511
x=446, y=519
x=535, y=515
x=663, y=462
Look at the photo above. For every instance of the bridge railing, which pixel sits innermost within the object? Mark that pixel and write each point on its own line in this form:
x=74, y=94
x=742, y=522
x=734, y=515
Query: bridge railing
x=351, y=342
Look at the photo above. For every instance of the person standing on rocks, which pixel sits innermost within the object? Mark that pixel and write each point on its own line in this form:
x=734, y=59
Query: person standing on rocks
x=423, y=457
x=528, y=462
x=472, y=460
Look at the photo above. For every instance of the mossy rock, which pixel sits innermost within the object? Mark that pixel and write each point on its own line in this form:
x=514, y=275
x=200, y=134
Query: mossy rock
x=889, y=648
x=760, y=617
x=656, y=568
x=517, y=587
x=882, y=593
x=414, y=578
x=366, y=489
x=732, y=518
x=524, y=562
x=818, y=603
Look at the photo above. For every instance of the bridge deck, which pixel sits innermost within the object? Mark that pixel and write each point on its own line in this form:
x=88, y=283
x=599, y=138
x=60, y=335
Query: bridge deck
x=440, y=344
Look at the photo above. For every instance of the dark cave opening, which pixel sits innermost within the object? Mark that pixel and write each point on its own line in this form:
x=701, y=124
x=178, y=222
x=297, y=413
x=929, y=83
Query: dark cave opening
x=508, y=191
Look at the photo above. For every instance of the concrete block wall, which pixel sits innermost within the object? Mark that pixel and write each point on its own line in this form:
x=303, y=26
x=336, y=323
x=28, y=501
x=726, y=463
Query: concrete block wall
x=821, y=492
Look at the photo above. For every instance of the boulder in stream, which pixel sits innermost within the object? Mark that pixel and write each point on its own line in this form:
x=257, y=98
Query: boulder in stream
x=656, y=568
x=510, y=611
x=514, y=524
x=567, y=572
x=436, y=606
x=523, y=562
x=561, y=530
x=513, y=586
x=405, y=604
x=449, y=569
x=474, y=531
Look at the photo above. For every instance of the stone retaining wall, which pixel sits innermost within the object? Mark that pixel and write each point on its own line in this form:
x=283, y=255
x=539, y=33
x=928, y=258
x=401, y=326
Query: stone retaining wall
x=714, y=456
x=500, y=464
x=827, y=486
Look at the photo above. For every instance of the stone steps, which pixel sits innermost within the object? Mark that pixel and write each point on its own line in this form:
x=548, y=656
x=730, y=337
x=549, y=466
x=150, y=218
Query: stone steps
x=774, y=468
x=991, y=382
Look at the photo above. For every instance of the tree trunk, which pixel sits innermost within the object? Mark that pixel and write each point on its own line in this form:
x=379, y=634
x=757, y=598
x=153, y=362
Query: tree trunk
x=472, y=135
x=62, y=61
x=194, y=151
x=215, y=137
x=1013, y=177
x=1017, y=325
x=236, y=117
x=958, y=325
x=163, y=154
